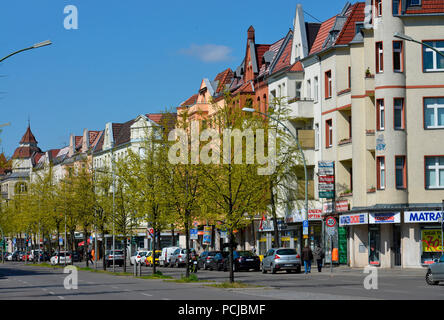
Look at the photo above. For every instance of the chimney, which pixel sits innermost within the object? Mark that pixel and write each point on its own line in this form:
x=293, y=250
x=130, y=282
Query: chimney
x=71, y=145
x=85, y=141
x=250, y=33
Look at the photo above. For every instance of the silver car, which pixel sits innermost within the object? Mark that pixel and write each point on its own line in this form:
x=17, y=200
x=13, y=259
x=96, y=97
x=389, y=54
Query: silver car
x=281, y=259
x=435, y=272
x=178, y=258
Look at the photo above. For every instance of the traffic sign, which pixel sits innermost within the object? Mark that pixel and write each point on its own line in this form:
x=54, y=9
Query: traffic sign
x=331, y=231
x=330, y=222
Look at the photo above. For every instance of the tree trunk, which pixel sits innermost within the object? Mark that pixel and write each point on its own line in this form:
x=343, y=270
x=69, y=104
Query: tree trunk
x=125, y=243
x=85, y=246
x=103, y=249
x=230, y=256
x=153, y=255
x=187, y=247
x=173, y=238
x=58, y=243
x=273, y=212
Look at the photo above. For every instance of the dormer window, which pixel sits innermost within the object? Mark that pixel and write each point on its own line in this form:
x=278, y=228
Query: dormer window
x=413, y=3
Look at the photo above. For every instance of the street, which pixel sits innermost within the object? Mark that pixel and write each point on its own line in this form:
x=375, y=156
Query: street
x=18, y=281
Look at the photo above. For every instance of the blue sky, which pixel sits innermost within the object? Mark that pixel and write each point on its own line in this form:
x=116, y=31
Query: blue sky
x=126, y=58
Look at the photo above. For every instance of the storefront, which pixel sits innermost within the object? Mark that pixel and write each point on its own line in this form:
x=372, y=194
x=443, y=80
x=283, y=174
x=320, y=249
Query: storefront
x=428, y=225
x=381, y=238
x=357, y=231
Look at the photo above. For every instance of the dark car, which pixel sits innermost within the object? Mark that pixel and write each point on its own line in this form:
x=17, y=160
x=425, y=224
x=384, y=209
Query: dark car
x=205, y=258
x=243, y=260
x=435, y=272
x=75, y=256
x=17, y=255
x=217, y=263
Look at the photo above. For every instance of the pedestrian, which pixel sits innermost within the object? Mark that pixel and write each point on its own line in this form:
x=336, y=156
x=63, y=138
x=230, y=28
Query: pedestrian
x=307, y=257
x=90, y=257
x=318, y=255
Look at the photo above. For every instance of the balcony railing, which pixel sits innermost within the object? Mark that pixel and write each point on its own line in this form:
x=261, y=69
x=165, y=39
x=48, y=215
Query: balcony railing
x=301, y=108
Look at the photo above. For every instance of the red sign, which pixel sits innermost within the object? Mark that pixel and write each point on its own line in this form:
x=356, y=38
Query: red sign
x=327, y=179
x=330, y=222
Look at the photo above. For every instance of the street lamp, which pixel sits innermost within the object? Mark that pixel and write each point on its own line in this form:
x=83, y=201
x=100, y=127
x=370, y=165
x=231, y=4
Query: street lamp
x=35, y=46
x=407, y=38
x=300, y=149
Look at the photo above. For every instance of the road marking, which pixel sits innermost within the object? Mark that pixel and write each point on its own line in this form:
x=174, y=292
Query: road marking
x=165, y=299
x=60, y=297
x=147, y=294
x=114, y=287
x=50, y=292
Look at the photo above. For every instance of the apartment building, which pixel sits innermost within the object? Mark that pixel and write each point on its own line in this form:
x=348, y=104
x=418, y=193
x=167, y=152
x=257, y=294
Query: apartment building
x=381, y=125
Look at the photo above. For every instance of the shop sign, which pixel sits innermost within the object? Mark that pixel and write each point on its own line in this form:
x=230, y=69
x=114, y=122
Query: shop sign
x=431, y=240
x=193, y=234
x=268, y=225
x=207, y=235
x=298, y=216
x=224, y=234
x=353, y=219
x=326, y=168
x=377, y=218
x=422, y=216
x=341, y=206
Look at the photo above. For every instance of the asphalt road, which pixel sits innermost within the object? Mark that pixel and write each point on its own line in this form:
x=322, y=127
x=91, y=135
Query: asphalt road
x=18, y=281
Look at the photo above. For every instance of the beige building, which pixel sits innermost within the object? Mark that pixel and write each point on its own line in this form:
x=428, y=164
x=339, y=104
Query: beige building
x=382, y=107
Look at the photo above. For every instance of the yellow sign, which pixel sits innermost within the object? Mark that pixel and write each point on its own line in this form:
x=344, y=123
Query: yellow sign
x=431, y=240
x=305, y=236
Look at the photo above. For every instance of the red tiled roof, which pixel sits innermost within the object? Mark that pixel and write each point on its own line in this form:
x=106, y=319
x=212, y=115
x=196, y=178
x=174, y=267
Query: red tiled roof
x=260, y=50
x=284, y=59
x=275, y=47
x=224, y=78
x=28, y=137
x=54, y=153
x=349, y=30
x=297, y=66
x=25, y=152
x=428, y=6
x=5, y=165
x=78, y=141
x=322, y=35
x=37, y=157
x=245, y=88
x=191, y=100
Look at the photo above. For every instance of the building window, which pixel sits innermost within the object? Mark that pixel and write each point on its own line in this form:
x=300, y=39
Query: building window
x=434, y=113
x=396, y=7
x=308, y=89
x=329, y=133
x=349, y=78
x=398, y=59
x=317, y=136
x=380, y=166
x=316, y=89
x=432, y=61
x=399, y=114
x=378, y=8
x=414, y=3
x=434, y=172
x=328, y=85
x=298, y=89
x=400, y=172
x=380, y=115
x=379, y=57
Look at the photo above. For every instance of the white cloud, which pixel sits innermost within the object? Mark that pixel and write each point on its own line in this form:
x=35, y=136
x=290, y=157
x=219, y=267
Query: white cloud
x=208, y=52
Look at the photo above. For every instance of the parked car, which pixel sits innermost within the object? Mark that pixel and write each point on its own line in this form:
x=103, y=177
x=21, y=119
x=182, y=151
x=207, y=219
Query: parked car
x=75, y=256
x=116, y=255
x=60, y=258
x=165, y=257
x=179, y=257
x=149, y=258
x=217, y=263
x=281, y=259
x=44, y=256
x=243, y=260
x=138, y=256
x=435, y=272
x=204, y=259
x=15, y=256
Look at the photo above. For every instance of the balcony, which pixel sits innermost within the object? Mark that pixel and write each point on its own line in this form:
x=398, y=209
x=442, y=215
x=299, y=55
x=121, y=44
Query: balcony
x=310, y=190
x=369, y=85
x=370, y=140
x=301, y=109
x=345, y=149
x=307, y=143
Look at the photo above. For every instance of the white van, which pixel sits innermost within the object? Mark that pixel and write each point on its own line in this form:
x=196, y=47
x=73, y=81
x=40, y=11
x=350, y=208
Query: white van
x=165, y=257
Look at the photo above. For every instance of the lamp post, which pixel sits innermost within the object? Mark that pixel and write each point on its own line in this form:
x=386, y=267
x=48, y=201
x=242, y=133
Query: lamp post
x=407, y=38
x=300, y=149
x=35, y=46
